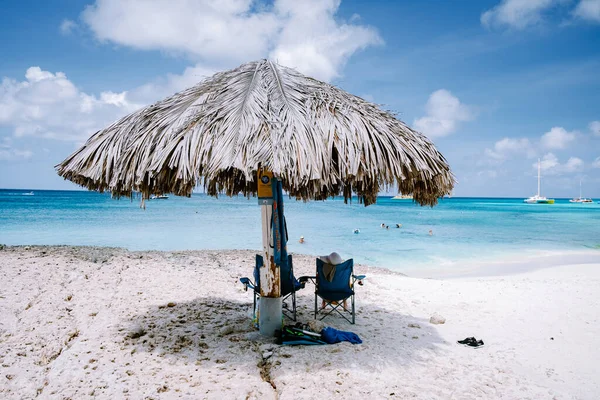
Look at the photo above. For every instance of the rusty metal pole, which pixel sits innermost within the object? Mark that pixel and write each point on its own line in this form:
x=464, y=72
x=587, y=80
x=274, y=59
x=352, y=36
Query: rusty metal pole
x=270, y=306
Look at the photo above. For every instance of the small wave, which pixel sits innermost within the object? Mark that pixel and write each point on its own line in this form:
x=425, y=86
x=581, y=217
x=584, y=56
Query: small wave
x=18, y=194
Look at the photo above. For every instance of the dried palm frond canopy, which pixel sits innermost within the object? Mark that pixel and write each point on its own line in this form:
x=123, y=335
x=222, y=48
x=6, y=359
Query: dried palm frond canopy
x=319, y=140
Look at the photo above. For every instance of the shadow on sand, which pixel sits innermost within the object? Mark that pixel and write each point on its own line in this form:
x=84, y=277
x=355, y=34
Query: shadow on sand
x=215, y=332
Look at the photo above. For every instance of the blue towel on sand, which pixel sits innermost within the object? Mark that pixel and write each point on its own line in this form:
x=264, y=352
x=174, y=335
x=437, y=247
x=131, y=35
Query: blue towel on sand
x=332, y=336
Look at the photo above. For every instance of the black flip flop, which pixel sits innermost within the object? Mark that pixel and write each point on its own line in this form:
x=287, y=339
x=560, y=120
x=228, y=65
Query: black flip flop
x=471, y=342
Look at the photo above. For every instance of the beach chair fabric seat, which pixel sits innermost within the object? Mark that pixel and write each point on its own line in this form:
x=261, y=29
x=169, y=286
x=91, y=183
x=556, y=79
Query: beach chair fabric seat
x=336, y=290
x=336, y=296
x=289, y=286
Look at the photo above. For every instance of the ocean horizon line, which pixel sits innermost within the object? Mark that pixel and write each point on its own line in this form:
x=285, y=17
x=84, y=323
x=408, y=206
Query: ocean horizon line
x=253, y=196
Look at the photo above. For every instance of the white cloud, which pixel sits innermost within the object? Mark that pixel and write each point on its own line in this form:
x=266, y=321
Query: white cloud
x=312, y=41
x=8, y=153
x=588, y=10
x=548, y=162
x=557, y=138
x=444, y=112
x=596, y=163
x=551, y=165
x=488, y=173
x=574, y=164
x=595, y=128
x=67, y=26
x=49, y=105
x=14, y=154
x=493, y=157
x=521, y=14
x=304, y=35
x=517, y=14
x=172, y=83
x=512, y=145
x=508, y=146
x=202, y=28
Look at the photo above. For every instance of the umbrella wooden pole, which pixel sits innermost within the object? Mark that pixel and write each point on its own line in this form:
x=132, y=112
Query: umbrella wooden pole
x=270, y=306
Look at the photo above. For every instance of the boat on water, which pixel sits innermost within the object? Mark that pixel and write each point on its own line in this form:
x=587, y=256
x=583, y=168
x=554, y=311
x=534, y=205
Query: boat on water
x=581, y=199
x=159, y=197
x=537, y=199
x=403, y=197
x=27, y=194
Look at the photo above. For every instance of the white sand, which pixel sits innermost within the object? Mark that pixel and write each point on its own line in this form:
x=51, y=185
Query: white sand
x=67, y=315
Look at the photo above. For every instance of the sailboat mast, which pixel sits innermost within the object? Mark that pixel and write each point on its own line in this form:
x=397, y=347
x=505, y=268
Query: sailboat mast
x=580, y=188
x=538, y=193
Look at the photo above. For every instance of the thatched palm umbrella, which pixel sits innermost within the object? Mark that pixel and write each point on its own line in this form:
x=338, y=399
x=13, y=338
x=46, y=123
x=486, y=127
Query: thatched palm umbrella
x=318, y=140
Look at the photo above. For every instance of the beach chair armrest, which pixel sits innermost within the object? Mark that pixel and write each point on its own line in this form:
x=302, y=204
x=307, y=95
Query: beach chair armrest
x=247, y=283
x=358, y=279
x=304, y=279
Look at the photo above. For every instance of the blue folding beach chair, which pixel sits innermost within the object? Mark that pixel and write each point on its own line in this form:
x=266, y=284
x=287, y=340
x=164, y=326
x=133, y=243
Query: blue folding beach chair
x=334, y=284
x=289, y=286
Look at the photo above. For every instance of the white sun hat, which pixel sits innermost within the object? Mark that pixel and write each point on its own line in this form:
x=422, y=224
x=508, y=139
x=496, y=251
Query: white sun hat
x=333, y=259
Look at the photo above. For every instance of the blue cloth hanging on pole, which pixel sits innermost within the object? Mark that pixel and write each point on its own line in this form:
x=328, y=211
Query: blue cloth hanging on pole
x=279, y=229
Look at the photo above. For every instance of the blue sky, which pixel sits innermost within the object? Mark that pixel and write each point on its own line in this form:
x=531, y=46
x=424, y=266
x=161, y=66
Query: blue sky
x=496, y=84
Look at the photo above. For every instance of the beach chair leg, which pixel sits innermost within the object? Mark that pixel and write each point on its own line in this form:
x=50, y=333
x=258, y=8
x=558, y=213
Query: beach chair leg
x=336, y=307
x=255, y=298
x=294, y=305
x=353, y=309
x=286, y=310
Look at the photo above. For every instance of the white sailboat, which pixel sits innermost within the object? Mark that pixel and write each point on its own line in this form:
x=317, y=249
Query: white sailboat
x=580, y=199
x=537, y=199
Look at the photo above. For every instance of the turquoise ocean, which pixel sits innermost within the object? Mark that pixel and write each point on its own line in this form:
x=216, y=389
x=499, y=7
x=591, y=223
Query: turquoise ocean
x=464, y=229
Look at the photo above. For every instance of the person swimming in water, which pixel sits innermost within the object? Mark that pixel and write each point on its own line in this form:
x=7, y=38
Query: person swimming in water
x=301, y=239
